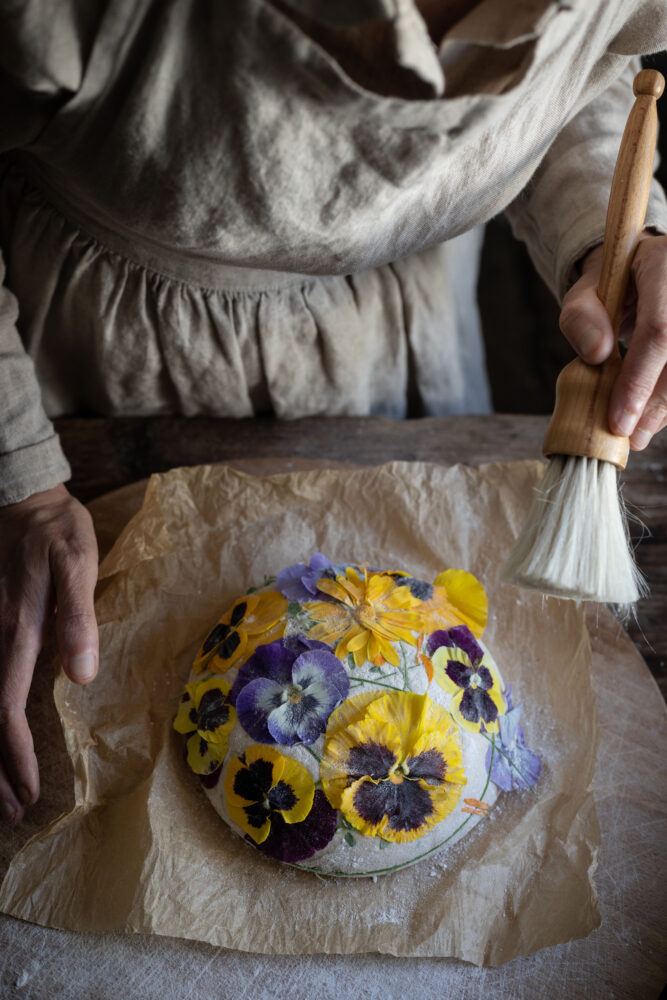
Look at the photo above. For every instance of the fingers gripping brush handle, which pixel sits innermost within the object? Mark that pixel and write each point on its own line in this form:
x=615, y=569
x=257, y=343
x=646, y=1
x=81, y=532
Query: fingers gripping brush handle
x=579, y=423
x=575, y=543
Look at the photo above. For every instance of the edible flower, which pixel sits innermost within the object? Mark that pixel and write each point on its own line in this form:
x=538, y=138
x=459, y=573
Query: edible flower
x=514, y=765
x=455, y=597
x=392, y=764
x=299, y=582
x=475, y=807
x=462, y=668
x=285, y=692
x=252, y=619
x=206, y=716
x=273, y=799
x=458, y=598
x=261, y=783
x=294, y=842
x=366, y=615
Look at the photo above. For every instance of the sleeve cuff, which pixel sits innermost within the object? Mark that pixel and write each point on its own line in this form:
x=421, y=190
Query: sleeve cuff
x=32, y=469
x=587, y=231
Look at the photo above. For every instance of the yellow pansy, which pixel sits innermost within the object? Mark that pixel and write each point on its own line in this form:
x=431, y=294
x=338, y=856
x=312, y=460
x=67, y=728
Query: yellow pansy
x=458, y=599
x=463, y=669
x=251, y=621
x=206, y=716
x=392, y=764
x=263, y=783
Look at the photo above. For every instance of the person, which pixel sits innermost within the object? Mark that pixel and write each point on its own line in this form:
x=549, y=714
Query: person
x=275, y=206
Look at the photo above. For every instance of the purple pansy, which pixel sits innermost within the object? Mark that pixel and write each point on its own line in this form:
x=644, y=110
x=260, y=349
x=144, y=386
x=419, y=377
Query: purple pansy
x=514, y=765
x=294, y=842
x=211, y=779
x=299, y=582
x=288, y=689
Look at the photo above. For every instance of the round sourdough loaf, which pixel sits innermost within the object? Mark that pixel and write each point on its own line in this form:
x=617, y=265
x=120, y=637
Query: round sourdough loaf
x=350, y=720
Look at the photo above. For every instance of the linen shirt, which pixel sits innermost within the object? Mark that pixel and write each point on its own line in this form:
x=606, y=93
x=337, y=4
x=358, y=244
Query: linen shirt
x=270, y=206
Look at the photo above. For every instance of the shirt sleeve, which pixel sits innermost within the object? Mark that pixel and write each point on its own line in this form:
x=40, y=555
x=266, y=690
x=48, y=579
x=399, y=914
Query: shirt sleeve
x=41, y=65
x=31, y=459
x=561, y=213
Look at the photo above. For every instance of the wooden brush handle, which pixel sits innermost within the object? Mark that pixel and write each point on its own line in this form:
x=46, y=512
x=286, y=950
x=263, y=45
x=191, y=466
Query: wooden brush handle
x=579, y=425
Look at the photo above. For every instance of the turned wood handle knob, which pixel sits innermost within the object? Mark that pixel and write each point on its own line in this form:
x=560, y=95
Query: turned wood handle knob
x=579, y=425
x=649, y=82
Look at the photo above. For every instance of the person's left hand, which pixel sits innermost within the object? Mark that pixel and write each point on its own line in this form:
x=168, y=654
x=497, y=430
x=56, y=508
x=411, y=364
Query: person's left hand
x=638, y=404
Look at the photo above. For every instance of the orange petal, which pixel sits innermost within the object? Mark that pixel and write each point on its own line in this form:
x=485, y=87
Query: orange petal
x=484, y=806
x=428, y=666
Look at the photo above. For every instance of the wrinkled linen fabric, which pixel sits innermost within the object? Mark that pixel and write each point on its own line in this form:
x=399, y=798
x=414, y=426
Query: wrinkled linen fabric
x=265, y=206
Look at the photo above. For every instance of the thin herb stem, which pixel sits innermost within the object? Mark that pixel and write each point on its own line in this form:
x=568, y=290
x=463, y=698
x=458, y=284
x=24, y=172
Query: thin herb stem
x=405, y=669
x=359, y=683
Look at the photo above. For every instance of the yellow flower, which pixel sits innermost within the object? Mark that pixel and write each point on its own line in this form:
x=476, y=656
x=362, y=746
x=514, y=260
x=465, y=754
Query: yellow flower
x=370, y=613
x=206, y=716
x=458, y=599
x=251, y=621
x=392, y=764
x=464, y=670
x=262, y=784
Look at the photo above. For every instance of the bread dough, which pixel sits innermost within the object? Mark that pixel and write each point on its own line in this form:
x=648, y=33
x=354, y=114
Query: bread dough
x=350, y=720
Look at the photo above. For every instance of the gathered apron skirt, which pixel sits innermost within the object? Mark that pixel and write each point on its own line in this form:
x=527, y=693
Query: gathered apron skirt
x=118, y=325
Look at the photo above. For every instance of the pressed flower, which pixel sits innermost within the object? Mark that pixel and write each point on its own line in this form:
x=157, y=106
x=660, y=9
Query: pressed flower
x=454, y=598
x=262, y=784
x=425, y=660
x=294, y=842
x=458, y=598
x=285, y=692
x=367, y=615
x=475, y=807
x=299, y=582
x=392, y=764
x=206, y=717
x=513, y=765
x=462, y=668
x=418, y=588
x=251, y=620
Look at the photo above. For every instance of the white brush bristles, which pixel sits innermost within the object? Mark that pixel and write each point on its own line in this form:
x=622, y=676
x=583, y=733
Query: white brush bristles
x=576, y=543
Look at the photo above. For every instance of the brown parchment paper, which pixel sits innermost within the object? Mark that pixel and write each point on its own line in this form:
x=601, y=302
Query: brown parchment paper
x=142, y=850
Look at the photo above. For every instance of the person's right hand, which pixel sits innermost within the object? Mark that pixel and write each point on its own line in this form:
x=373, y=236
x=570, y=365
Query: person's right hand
x=48, y=563
x=638, y=403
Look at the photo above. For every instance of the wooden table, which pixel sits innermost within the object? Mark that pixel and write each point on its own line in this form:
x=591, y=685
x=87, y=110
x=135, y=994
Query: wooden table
x=106, y=454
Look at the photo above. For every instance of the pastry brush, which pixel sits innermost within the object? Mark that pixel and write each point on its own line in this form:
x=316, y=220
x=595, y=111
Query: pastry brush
x=576, y=542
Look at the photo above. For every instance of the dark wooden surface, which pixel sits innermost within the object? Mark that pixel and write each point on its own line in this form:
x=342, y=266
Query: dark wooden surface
x=107, y=454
